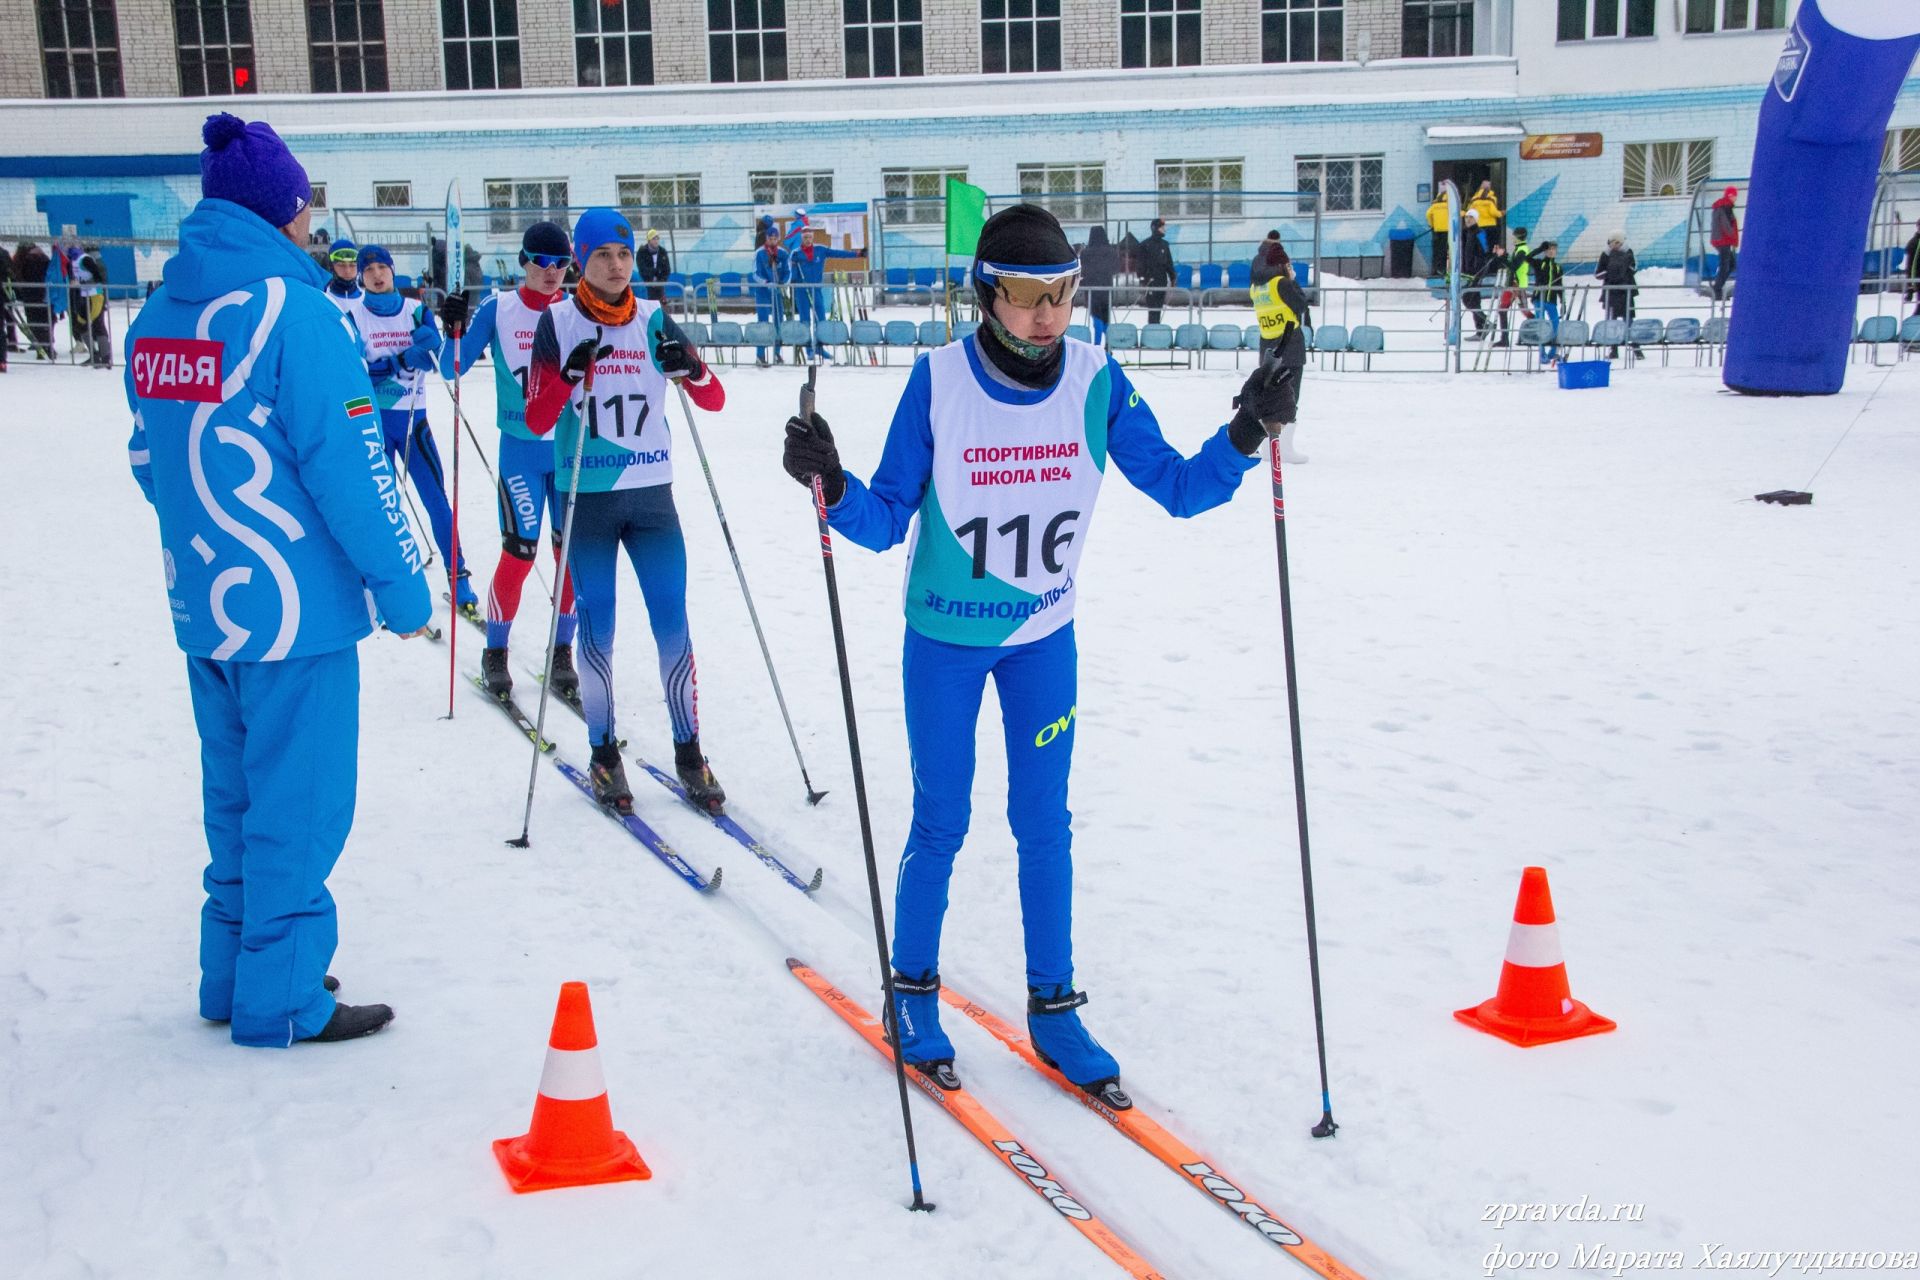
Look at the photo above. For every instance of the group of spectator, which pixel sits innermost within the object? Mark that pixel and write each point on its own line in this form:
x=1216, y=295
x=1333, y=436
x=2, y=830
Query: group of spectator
x=35, y=288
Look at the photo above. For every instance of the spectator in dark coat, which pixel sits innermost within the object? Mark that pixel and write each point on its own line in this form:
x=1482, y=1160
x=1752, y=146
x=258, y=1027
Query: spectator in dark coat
x=1726, y=239
x=1154, y=261
x=1270, y=243
x=1099, y=264
x=6, y=305
x=1619, y=277
x=654, y=266
x=1273, y=290
x=1913, y=264
x=30, y=263
x=1470, y=260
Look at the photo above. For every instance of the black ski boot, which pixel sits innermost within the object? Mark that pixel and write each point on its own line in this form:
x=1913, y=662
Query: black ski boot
x=493, y=670
x=609, y=778
x=703, y=789
x=566, y=681
x=351, y=1021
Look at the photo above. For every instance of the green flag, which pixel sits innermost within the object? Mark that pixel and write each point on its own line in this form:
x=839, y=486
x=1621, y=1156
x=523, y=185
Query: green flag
x=966, y=214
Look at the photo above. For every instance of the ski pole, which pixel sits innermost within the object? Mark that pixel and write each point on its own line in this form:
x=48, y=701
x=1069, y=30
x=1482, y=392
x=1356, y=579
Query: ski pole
x=1326, y=1127
x=920, y=1202
x=420, y=528
x=454, y=565
x=813, y=796
x=553, y=621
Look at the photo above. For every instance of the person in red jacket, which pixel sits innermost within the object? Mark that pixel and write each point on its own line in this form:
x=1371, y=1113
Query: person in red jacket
x=1726, y=239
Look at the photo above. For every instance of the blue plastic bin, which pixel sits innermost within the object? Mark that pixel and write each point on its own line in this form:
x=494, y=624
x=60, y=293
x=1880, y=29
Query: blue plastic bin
x=1578, y=375
x=1303, y=273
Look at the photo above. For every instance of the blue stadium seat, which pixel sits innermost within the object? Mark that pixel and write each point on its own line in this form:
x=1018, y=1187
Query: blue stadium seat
x=1212, y=275
x=696, y=332
x=1156, y=337
x=965, y=329
x=868, y=333
x=794, y=333
x=1645, y=331
x=760, y=333
x=726, y=333
x=926, y=277
x=1879, y=329
x=1909, y=329
x=901, y=333
x=1367, y=341
x=1252, y=337
x=1122, y=336
x=730, y=286
x=1080, y=331
x=1609, y=333
x=932, y=333
x=1573, y=333
x=832, y=333
x=1190, y=337
x=1240, y=276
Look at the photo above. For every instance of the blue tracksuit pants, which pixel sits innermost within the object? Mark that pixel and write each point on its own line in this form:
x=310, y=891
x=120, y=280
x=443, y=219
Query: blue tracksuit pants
x=422, y=461
x=1037, y=684
x=644, y=522
x=1551, y=310
x=769, y=307
x=278, y=753
x=527, y=488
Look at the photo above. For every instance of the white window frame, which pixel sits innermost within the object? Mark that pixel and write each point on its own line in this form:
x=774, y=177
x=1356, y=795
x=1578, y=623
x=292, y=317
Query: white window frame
x=1473, y=33
x=877, y=33
x=787, y=188
x=633, y=43
x=319, y=200
x=1733, y=17
x=761, y=35
x=918, y=195
x=1692, y=165
x=393, y=195
x=105, y=77
x=1161, y=24
x=513, y=203
x=1073, y=191
x=1314, y=173
x=213, y=22
x=1002, y=28
x=679, y=193
x=1621, y=9
x=1178, y=181
x=1318, y=13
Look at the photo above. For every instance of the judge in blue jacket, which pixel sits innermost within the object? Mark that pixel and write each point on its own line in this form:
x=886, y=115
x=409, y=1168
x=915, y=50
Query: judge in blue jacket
x=256, y=440
x=807, y=268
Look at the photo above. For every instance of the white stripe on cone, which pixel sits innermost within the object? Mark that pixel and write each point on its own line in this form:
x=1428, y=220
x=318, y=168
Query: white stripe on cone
x=572, y=1075
x=1534, y=946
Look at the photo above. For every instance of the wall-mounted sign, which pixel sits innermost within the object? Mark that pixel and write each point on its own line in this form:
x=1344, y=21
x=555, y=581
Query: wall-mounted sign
x=1560, y=146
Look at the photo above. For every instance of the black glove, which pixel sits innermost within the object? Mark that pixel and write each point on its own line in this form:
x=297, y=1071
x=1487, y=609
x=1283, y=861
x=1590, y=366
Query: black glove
x=454, y=312
x=810, y=452
x=582, y=357
x=676, y=360
x=1264, y=405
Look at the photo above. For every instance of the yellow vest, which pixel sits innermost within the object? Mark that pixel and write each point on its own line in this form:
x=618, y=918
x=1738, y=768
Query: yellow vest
x=1437, y=215
x=1275, y=316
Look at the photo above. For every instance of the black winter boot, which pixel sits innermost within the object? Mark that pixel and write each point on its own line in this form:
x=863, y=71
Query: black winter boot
x=566, y=681
x=351, y=1021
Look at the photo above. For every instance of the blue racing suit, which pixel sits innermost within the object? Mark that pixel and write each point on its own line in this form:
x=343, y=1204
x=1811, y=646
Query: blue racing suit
x=807, y=269
x=256, y=439
x=770, y=272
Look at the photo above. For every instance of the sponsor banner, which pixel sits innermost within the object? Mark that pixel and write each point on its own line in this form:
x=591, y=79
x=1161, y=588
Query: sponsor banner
x=1560, y=146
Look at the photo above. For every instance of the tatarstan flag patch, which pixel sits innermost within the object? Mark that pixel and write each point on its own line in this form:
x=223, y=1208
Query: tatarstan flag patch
x=359, y=408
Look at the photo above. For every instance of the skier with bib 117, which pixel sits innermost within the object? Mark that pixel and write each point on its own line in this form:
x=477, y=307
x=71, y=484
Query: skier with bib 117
x=503, y=325
x=625, y=485
x=992, y=466
x=399, y=343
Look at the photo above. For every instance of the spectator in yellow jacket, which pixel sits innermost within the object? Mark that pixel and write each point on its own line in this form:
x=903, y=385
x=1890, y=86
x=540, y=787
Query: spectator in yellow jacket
x=1486, y=207
x=1437, y=223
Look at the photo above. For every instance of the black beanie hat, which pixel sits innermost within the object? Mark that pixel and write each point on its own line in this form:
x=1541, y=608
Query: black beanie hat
x=546, y=237
x=1023, y=235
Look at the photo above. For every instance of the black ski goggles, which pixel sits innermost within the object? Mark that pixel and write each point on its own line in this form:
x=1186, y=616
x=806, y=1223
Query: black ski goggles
x=1029, y=287
x=546, y=260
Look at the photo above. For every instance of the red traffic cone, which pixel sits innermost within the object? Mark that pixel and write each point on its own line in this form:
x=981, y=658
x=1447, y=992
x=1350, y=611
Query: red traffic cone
x=572, y=1141
x=1534, y=1004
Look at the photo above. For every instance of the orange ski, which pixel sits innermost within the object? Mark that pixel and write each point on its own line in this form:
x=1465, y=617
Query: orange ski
x=1169, y=1150
x=993, y=1135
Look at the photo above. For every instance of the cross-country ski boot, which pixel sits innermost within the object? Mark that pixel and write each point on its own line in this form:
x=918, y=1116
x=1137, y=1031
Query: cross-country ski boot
x=1053, y=1020
x=465, y=602
x=703, y=789
x=493, y=670
x=923, y=1045
x=566, y=681
x=609, y=778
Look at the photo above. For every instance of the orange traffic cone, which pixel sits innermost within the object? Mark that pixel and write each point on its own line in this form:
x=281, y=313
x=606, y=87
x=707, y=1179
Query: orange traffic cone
x=1534, y=1005
x=572, y=1142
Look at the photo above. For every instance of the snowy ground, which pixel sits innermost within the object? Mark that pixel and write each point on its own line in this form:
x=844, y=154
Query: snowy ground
x=1534, y=627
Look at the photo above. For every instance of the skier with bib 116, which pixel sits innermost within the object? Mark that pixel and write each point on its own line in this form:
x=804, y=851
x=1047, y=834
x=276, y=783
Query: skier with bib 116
x=503, y=325
x=992, y=466
x=625, y=487
x=399, y=343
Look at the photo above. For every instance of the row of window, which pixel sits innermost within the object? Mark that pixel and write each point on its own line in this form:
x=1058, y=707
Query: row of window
x=746, y=39
x=1075, y=192
x=1636, y=19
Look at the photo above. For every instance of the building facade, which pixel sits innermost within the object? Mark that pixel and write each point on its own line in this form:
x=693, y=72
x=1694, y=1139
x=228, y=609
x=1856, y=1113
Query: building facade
x=1228, y=117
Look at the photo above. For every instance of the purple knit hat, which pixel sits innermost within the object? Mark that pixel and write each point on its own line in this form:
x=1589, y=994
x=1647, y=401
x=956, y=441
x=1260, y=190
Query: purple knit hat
x=249, y=165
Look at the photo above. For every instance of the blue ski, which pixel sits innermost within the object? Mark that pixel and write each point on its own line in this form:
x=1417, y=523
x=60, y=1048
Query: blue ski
x=734, y=829
x=640, y=831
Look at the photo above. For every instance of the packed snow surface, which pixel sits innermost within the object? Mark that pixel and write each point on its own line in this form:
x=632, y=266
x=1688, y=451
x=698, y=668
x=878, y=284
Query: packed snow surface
x=1534, y=627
